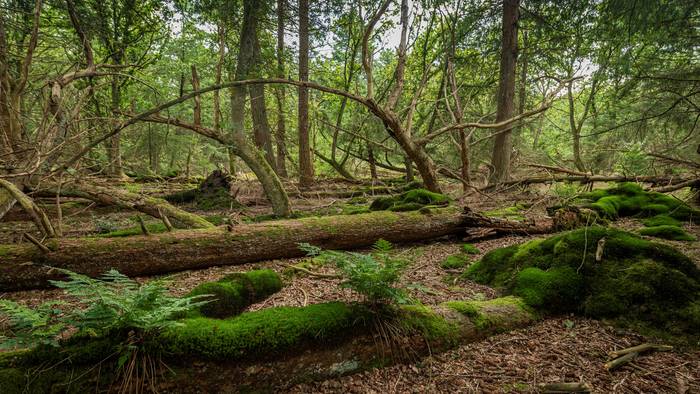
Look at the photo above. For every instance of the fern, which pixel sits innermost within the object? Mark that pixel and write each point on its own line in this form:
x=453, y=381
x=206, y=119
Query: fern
x=31, y=326
x=373, y=275
x=114, y=303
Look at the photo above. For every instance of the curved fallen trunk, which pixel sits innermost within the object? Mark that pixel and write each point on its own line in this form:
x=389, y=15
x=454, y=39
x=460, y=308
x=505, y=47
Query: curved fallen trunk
x=152, y=206
x=25, y=267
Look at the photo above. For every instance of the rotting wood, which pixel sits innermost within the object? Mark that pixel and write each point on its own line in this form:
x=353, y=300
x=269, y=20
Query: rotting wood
x=645, y=347
x=565, y=387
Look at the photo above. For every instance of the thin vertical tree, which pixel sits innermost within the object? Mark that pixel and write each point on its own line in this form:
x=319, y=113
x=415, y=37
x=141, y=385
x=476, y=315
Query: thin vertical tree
x=503, y=145
x=281, y=126
x=306, y=169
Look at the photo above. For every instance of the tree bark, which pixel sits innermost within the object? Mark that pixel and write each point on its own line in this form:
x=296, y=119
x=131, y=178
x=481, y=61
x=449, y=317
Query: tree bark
x=239, y=143
x=280, y=134
x=24, y=267
x=506, y=91
x=306, y=169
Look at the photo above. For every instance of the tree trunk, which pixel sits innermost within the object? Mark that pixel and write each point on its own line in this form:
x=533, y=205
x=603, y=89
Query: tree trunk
x=25, y=267
x=274, y=190
x=306, y=169
x=114, y=153
x=506, y=91
x=280, y=133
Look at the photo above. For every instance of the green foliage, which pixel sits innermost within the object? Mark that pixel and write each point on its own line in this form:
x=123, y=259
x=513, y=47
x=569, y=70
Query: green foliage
x=260, y=333
x=411, y=200
x=373, y=275
x=667, y=232
x=233, y=293
x=115, y=302
x=30, y=327
x=637, y=280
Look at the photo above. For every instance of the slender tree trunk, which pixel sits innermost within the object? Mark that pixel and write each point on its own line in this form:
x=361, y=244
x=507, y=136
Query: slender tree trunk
x=575, y=131
x=306, y=169
x=409, y=168
x=280, y=134
x=506, y=91
x=114, y=154
x=372, y=162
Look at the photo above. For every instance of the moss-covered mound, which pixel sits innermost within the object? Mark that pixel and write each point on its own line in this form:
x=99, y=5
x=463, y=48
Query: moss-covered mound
x=667, y=232
x=629, y=199
x=233, y=293
x=411, y=200
x=636, y=280
x=260, y=333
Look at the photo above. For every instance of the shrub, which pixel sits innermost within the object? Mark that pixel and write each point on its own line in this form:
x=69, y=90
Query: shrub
x=411, y=200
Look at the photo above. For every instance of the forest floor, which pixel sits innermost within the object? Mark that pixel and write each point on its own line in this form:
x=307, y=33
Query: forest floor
x=560, y=348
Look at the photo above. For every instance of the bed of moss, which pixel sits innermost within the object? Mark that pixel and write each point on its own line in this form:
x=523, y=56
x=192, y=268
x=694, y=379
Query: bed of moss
x=644, y=283
x=261, y=333
x=664, y=214
x=411, y=200
x=233, y=293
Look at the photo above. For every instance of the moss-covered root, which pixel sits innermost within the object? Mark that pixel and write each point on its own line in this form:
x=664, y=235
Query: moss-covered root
x=233, y=293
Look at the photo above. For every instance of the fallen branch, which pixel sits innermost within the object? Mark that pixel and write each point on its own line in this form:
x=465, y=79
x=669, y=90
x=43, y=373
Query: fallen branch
x=645, y=347
x=565, y=387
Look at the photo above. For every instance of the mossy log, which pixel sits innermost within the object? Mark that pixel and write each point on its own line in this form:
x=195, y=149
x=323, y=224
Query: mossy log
x=337, y=340
x=24, y=267
x=276, y=347
x=149, y=205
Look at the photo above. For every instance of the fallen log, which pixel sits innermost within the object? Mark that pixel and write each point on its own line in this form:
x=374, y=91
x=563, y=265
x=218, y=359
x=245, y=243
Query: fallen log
x=654, y=180
x=112, y=196
x=26, y=267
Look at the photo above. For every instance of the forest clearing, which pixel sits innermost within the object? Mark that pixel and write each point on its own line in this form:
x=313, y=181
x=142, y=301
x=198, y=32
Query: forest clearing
x=365, y=196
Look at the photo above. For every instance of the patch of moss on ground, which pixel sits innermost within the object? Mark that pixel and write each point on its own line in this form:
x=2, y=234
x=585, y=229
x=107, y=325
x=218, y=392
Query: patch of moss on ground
x=454, y=261
x=470, y=249
x=636, y=280
x=667, y=232
x=260, y=333
x=411, y=200
x=233, y=293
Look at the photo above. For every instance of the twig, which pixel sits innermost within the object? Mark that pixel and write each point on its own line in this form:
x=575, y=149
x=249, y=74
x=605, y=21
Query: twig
x=317, y=274
x=144, y=229
x=36, y=242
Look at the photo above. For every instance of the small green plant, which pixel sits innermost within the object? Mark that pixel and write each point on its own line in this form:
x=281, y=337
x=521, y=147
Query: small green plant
x=372, y=275
x=30, y=327
x=103, y=226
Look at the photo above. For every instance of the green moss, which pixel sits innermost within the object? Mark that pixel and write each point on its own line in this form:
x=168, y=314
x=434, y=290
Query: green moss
x=634, y=277
x=153, y=228
x=629, y=199
x=260, y=333
x=661, y=220
x=667, y=232
x=233, y=293
x=454, y=262
x=477, y=310
x=513, y=212
x=411, y=200
x=422, y=319
x=558, y=289
x=470, y=249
